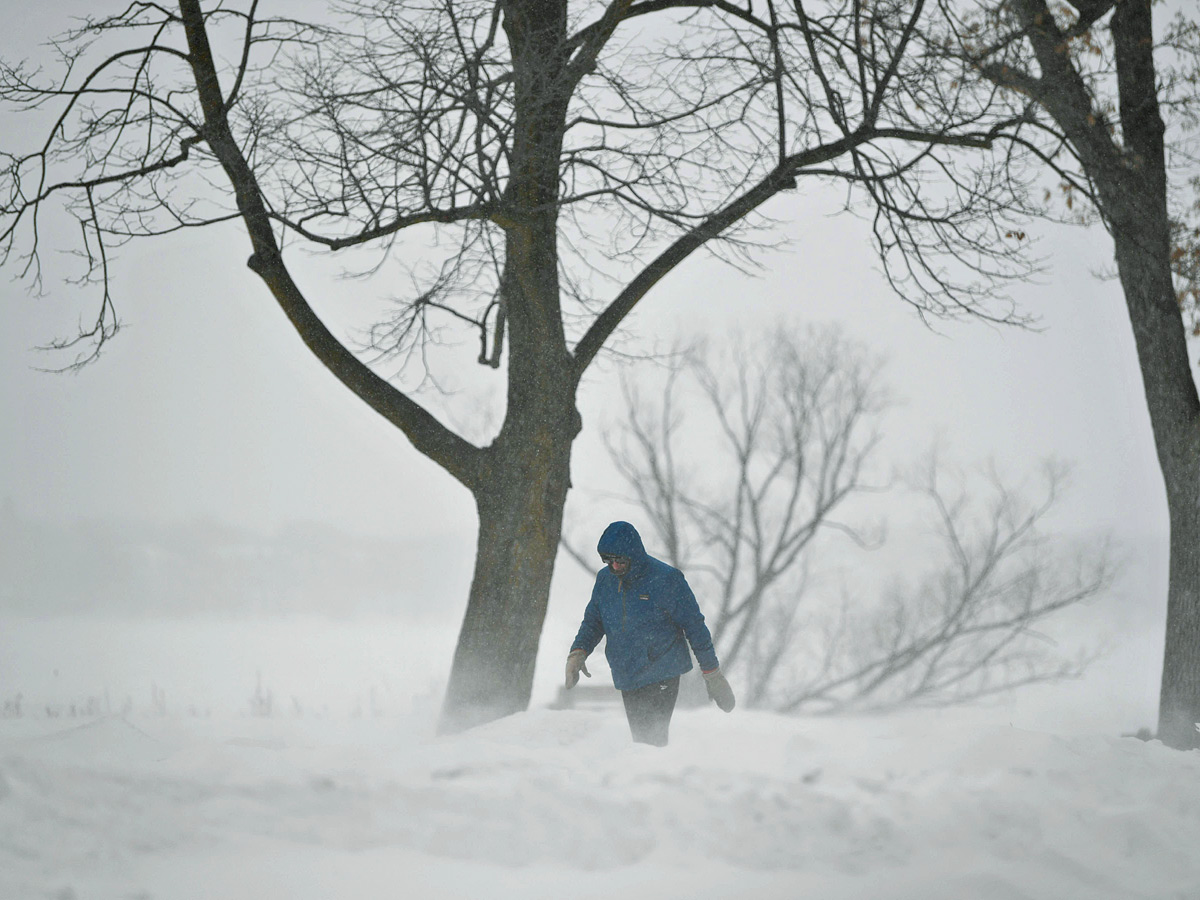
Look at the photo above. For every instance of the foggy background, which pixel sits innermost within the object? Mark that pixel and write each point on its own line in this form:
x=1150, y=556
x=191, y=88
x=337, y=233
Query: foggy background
x=208, y=470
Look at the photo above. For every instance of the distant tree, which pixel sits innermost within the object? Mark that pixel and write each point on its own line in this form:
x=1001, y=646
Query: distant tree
x=1100, y=101
x=553, y=161
x=788, y=425
x=968, y=628
x=791, y=430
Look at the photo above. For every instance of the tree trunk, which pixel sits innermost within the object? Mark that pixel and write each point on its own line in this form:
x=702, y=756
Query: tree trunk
x=1143, y=249
x=1130, y=180
x=520, y=522
x=520, y=501
x=521, y=496
x=1179, y=698
x=1141, y=227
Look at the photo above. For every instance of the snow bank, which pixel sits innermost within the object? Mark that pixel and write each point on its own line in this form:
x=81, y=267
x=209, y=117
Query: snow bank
x=554, y=804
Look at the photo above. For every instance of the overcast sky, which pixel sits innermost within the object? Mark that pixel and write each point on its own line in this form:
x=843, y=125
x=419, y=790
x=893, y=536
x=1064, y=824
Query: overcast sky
x=208, y=404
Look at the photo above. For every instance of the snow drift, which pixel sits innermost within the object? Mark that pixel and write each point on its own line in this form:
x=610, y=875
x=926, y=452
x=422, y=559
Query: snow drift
x=551, y=804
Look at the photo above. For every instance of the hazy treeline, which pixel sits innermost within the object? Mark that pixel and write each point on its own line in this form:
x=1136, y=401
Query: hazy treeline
x=203, y=566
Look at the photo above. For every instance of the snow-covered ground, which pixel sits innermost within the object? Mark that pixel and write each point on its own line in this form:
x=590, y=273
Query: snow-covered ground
x=554, y=804
x=182, y=793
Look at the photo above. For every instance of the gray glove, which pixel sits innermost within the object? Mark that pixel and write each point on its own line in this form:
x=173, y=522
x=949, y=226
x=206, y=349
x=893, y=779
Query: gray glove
x=576, y=663
x=719, y=690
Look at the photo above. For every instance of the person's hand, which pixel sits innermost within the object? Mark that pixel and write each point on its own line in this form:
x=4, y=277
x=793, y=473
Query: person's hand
x=719, y=690
x=576, y=663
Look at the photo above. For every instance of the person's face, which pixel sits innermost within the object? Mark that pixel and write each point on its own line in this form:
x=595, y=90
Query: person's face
x=618, y=564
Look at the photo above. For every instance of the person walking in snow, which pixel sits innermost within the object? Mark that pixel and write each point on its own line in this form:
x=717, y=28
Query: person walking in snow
x=649, y=615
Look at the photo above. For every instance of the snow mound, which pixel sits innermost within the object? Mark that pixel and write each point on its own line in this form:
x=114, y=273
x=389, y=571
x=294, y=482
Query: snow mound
x=554, y=803
x=111, y=738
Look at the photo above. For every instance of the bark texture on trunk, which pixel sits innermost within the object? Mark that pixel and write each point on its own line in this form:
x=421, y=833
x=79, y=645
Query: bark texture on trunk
x=1179, y=696
x=1140, y=222
x=520, y=522
x=1175, y=419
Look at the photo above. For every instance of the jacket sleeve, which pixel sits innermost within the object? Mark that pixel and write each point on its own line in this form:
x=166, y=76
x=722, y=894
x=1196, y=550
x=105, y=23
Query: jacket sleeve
x=591, y=629
x=687, y=616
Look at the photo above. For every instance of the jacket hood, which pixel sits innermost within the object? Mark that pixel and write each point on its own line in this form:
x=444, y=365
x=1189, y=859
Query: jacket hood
x=622, y=539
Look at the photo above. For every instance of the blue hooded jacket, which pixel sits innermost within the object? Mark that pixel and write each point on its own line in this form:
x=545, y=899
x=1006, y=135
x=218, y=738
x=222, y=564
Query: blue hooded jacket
x=647, y=614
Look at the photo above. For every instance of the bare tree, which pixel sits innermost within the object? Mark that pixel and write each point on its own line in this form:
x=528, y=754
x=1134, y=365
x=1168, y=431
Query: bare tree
x=1103, y=108
x=967, y=630
x=790, y=431
x=564, y=158
x=792, y=434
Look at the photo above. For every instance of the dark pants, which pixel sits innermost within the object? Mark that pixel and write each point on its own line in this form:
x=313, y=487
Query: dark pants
x=649, y=711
